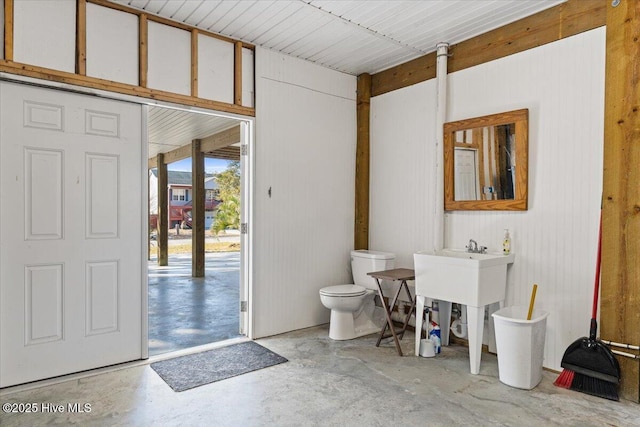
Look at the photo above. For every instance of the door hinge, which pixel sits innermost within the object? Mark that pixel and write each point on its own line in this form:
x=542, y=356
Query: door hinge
x=243, y=306
x=244, y=228
x=244, y=149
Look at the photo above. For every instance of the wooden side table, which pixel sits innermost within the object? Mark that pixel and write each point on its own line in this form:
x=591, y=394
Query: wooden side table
x=396, y=274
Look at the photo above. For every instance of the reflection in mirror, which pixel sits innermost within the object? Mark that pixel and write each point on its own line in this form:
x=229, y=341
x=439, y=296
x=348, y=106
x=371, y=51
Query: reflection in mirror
x=486, y=162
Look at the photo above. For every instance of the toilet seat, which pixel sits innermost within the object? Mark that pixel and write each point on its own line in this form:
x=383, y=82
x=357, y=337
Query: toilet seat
x=343, y=291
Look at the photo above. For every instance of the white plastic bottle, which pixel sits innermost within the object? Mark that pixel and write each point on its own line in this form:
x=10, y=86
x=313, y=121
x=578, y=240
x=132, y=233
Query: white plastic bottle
x=506, y=242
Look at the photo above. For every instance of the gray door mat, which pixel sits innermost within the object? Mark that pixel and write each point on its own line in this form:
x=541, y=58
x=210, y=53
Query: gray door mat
x=194, y=370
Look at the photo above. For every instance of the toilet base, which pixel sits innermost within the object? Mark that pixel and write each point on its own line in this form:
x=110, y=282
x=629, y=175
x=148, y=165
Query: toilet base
x=344, y=326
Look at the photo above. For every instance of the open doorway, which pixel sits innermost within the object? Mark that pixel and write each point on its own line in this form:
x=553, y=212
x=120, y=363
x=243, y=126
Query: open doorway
x=191, y=306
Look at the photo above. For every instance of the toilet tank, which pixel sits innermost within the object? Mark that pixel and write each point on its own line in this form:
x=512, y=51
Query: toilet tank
x=363, y=262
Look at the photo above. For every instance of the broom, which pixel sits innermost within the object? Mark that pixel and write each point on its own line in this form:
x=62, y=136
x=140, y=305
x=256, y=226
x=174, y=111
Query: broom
x=589, y=365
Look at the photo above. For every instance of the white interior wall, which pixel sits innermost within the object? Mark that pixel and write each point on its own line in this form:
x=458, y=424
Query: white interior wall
x=44, y=33
x=112, y=44
x=169, y=62
x=215, y=69
x=305, y=154
x=562, y=85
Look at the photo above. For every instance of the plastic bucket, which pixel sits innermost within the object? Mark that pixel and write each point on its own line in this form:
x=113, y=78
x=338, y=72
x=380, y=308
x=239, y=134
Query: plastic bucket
x=520, y=345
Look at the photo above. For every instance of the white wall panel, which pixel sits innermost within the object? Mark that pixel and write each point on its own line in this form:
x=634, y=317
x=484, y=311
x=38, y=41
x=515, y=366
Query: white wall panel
x=112, y=44
x=215, y=69
x=169, y=63
x=44, y=33
x=305, y=154
x=562, y=85
x=248, y=92
x=305, y=74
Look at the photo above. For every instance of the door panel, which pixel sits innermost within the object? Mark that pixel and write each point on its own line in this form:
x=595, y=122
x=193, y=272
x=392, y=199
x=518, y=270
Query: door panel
x=70, y=233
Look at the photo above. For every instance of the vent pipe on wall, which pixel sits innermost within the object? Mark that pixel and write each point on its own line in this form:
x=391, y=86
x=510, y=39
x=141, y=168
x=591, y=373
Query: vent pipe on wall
x=441, y=115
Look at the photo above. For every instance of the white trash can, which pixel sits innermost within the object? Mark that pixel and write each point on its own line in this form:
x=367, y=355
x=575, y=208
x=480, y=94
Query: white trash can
x=520, y=345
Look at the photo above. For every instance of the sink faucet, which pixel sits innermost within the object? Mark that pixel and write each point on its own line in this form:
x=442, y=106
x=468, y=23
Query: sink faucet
x=473, y=248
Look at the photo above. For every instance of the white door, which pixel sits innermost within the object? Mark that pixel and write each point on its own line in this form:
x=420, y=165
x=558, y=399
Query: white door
x=466, y=179
x=70, y=233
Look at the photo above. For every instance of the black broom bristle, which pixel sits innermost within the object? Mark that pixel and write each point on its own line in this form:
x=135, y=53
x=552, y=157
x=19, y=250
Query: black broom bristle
x=594, y=386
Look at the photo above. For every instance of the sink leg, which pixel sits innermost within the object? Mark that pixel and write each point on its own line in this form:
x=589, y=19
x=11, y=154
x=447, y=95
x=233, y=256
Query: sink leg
x=475, y=322
x=444, y=308
x=419, y=321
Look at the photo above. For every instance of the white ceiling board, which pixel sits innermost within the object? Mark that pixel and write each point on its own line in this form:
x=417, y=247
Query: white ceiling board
x=347, y=35
x=170, y=128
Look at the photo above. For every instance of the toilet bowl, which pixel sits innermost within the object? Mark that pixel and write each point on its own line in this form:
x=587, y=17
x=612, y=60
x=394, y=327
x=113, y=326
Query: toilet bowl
x=353, y=309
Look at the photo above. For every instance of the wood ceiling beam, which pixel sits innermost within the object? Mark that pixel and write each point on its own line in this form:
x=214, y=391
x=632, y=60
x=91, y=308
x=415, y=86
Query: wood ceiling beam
x=220, y=139
x=207, y=146
x=553, y=24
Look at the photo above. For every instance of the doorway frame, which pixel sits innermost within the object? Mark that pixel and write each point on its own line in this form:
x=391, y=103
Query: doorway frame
x=247, y=189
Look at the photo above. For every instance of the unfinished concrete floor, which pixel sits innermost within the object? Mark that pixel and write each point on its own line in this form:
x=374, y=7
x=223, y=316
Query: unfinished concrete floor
x=327, y=383
x=187, y=311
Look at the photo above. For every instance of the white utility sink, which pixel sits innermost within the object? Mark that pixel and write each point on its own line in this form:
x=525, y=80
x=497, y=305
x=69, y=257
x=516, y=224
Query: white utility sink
x=455, y=275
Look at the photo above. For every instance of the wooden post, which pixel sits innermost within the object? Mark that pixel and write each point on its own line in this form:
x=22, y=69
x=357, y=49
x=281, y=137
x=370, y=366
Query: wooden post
x=197, y=212
x=81, y=37
x=8, y=30
x=620, y=292
x=163, y=211
x=361, y=227
x=194, y=62
x=143, y=50
x=237, y=74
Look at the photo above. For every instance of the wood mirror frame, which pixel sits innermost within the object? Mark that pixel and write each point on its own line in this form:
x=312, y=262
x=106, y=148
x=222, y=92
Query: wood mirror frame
x=520, y=121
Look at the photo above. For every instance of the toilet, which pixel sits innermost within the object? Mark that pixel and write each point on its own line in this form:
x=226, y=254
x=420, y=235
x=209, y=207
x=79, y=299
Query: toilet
x=353, y=310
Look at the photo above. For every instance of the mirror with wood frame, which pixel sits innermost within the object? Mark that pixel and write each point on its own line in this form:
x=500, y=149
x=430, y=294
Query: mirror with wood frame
x=486, y=162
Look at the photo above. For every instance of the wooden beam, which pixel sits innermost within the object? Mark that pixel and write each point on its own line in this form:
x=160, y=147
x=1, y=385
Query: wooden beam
x=81, y=37
x=620, y=290
x=107, y=85
x=197, y=212
x=8, y=30
x=221, y=139
x=207, y=145
x=143, y=50
x=163, y=211
x=361, y=226
x=153, y=162
x=194, y=62
x=227, y=153
x=556, y=23
x=237, y=74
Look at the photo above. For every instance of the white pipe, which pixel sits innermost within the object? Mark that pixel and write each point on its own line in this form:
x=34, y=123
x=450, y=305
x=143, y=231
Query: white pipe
x=441, y=115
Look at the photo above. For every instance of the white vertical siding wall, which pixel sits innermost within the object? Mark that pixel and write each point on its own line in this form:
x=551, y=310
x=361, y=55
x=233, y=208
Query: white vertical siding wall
x=562, y=85
x=305, y=154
